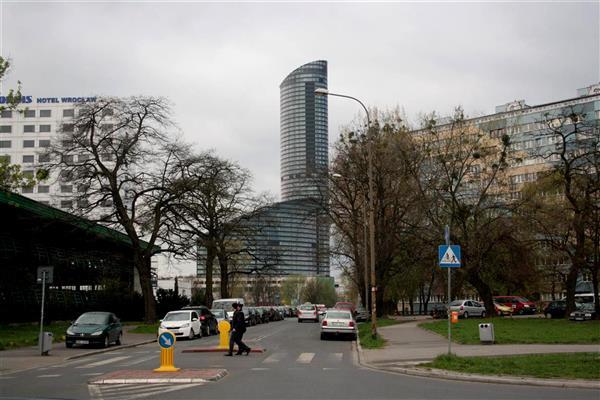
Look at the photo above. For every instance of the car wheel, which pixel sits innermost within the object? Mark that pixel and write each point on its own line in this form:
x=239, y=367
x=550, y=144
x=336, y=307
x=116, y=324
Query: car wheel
x=299, y=320
x=118, y=342
x=548, y=315
x=466, y=315
x=106, y=341
x=68, y=345
x=192, y=335
x=323, y=336
x=483, y=314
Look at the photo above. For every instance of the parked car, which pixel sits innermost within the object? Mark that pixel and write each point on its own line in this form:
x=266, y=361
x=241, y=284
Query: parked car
x=501, y=309
x=308, y=312
x=95, y=328
x=227, y=305
x=338, y=322
x=556, y=309
x=182, y=323
x=264, y=314
x=345, y=305
x=220, y=315
x=207, y=319
x=468, y=308
x=585, y=312
x=439, y=311
x=519, y=305
x=361, y=314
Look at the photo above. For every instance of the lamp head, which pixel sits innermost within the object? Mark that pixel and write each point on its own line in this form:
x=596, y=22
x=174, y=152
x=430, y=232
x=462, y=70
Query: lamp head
x=321, y=92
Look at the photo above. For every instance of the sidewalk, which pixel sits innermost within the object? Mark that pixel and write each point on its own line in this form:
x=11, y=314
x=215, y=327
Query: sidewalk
x=408, y=345
x=29, y=357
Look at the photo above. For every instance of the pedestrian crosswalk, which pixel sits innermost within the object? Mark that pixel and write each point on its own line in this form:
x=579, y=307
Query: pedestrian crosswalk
x=135, y=391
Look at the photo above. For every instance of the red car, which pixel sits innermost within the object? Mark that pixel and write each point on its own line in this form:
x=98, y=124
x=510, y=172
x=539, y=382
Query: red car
x=519, y=305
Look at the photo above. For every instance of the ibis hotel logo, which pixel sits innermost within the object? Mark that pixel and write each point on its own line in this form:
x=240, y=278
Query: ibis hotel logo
x=46, y=100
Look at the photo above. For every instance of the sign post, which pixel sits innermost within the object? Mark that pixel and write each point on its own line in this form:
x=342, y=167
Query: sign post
x=166, y=341
x=449, y=257
x=44, y=275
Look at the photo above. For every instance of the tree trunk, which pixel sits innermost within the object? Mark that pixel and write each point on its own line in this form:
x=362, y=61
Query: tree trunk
x=484, y=291
x=143, y=266
x=210, y=259
x=578, y=262
x=224, y=268
x=594, y=272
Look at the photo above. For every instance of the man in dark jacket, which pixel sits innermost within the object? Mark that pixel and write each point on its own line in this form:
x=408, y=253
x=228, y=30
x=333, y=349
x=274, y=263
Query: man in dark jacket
x=238, y=327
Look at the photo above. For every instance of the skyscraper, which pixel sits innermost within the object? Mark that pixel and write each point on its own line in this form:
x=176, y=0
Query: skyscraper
x=304, y=137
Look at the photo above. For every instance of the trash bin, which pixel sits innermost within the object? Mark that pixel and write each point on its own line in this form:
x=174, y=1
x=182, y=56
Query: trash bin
x=46, y=341
x=486, y=333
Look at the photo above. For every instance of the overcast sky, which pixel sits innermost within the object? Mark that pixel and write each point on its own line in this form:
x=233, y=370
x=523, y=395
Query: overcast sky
x=221, y=64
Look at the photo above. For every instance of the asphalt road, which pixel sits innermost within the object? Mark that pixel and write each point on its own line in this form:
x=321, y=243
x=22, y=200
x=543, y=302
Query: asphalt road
x=296, y=365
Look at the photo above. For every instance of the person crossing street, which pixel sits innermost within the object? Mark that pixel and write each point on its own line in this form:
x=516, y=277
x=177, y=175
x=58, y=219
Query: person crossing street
x=237, y=331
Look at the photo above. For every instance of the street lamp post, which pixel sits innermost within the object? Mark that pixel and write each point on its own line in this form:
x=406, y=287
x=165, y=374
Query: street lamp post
x=325, y=92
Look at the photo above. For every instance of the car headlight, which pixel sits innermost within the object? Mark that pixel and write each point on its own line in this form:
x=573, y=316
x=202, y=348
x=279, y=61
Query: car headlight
x=572, y=314
x=97, y=333
x=588, y=315
x=527, y=305
x=70, y=332
x=186, y=325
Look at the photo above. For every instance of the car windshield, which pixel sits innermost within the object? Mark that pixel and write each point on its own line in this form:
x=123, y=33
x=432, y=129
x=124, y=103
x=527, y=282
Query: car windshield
x=307, y=308
x=92, y=319
x=338, y=315
x=586, y=306
x=456, y=303
x=218, y=313
x=177, y=316
x=223, y=305
x=522, y=299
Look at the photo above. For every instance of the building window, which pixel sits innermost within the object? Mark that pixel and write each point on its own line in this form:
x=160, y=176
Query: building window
x=5, y=129
x=45, y=143
x=44, y=158
x=29, y=113
x=28, y=174
x=107, y=203
x=68, y=128
x=106, y=157
x=6, y=114
x=68, y=158
x=29, y=129
x=5, y=144
x=26, y=189
x=45, y=113
x=66, y=203
x=27, y=159
x=66, y=188
x=43, y=189
x=69, y=113
x=82, y=203
x=82, y=188
x=28, y=143
x=44, y=128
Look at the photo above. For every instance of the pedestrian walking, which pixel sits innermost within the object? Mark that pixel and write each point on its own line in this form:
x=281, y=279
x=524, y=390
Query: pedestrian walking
x=237, y=331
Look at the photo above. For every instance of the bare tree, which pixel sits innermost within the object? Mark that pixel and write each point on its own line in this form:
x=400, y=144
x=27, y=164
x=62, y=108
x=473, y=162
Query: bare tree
x=119, y=157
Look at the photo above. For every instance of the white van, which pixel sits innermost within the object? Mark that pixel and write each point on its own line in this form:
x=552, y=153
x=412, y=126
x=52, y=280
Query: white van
x=226, y=305
x=584, y=298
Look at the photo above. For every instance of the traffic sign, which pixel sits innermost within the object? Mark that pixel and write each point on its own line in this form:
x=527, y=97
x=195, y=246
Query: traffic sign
x=166, y=340
x=45, y=274
x=449, y=256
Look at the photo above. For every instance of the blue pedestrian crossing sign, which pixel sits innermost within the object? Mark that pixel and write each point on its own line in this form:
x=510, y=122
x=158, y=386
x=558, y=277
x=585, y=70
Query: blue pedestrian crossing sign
x=166, y=340
x=449, y=256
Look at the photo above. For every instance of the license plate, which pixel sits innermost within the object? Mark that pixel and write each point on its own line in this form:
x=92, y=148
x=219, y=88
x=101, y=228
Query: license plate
x=338, y=324
x=81, y=342
x=578, y=319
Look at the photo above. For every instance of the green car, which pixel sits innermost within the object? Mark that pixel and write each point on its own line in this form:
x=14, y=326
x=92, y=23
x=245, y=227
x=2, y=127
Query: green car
x=95, y=328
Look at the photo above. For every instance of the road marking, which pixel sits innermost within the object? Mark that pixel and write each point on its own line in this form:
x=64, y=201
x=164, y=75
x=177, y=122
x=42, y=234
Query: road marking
x=103, y=362
x=260, y=369
x=139, y=361
x=7, y=377
x=336, y=356
x=93, y=374
x=305, y=358
x=49, y=376
x=329, y=369
x=134, y=391
x=74, y=362
x=273, y=358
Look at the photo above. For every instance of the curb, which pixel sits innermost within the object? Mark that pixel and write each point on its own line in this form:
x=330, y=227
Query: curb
x=109, y=349
x=457, y=376
x=222, y=374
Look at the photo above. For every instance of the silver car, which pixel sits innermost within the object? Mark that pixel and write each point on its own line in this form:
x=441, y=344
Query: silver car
x=338, y=322
x=468, y=308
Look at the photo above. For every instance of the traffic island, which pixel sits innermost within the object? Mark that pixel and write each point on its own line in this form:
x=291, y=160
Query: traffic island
x=149, y=376
x=217, y=350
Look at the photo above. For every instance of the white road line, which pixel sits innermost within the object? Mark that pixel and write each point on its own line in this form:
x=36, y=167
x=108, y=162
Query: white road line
x=337, y=356
x=305, y=358
x=103, y=362
x=273, y=358
x=133, y=391
x=74, y=362
x=260, y=369
x=95, y=392
x=49, y=376
x=329, y=369
x=93, y=374
x=139, y=361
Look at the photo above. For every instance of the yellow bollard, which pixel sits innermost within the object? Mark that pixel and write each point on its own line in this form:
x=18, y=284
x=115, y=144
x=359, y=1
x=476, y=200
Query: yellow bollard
x=224, y=329
x=166, y=341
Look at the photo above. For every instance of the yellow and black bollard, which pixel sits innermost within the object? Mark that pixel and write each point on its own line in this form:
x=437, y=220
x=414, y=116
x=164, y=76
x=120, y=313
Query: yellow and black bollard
x=166, y=341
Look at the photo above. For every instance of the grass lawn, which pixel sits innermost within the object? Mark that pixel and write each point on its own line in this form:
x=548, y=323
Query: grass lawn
x=521, y=330
x=144, y=328
x=22, y=335
x=570, y=365
x=364, y=333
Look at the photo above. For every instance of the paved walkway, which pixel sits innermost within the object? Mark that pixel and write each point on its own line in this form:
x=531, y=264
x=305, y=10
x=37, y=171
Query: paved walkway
x=408, y=344
x=29, y=357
